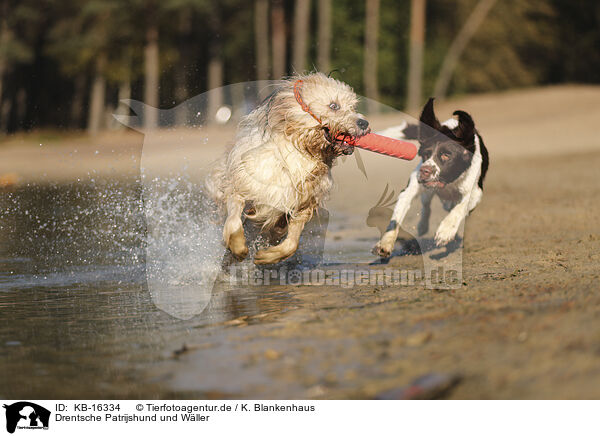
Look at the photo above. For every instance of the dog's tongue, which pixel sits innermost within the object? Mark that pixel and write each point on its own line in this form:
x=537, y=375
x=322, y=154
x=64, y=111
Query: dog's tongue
x=435, y=184
x=381, y=144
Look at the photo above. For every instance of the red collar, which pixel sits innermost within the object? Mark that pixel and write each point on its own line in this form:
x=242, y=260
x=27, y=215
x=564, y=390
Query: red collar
x=304, y=106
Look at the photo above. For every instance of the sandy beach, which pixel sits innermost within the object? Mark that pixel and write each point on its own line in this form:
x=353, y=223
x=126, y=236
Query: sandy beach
x=524, y=323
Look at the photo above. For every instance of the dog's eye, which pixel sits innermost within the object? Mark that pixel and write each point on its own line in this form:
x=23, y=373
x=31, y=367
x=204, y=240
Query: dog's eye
x=334, y=106
x=445, y=156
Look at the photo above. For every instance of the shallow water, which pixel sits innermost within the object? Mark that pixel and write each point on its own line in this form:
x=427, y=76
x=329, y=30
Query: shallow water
x=76, y=317
x=101, y=284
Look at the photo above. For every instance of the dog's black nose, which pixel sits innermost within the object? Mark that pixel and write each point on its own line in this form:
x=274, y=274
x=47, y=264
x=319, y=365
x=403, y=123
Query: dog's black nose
x=362, y=123
x=425, y=172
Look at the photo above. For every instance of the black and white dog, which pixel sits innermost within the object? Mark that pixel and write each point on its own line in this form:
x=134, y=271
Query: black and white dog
x=454, y=164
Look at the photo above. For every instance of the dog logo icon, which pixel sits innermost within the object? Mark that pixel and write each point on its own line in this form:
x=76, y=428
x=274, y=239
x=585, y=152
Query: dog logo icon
x=26, y=415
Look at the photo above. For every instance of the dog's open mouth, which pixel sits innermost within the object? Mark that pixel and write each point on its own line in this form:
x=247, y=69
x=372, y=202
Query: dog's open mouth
x=434, y=184
x=340, y=146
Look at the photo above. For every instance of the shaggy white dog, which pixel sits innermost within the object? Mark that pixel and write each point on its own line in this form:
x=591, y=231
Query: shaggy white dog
x=279, y=170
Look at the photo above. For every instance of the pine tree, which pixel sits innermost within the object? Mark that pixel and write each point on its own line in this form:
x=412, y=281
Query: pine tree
x=14, y=48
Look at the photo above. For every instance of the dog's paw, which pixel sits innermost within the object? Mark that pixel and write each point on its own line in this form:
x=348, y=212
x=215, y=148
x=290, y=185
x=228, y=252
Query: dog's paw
x=383, y=249
x=276, y=254
x=447, y=230
x=272, y=255
x=237, y=245
x=385, y=246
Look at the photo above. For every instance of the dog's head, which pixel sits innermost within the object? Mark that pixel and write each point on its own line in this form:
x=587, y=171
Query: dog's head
x=446, y=152
x=321, y=109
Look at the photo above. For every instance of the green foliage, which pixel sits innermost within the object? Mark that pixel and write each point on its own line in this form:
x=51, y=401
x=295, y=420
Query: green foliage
x=347, y=43
x=521, y=43
x=88, y=29
x=16, y=43
x=578, y=30
x=511, y=49
x=393, y=52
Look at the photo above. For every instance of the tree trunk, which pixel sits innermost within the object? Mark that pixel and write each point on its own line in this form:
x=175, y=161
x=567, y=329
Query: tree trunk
x=370, y=53
x=261, y=38
x=3, y=121
x=5, y=110
x=181, y=115
x=278, y=35
x=458, y=46
x=215, y=84
x=122, y=109
x=324, y=36
x=77, y=102
x=215, y=68
x=4, y=37
x=415, y=61
x=21, y=103
x=301, y=29
x=152, y=77
x=96, y=111
x=186, y=54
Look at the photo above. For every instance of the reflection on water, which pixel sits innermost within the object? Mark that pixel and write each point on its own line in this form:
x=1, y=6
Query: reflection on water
x=76, y=318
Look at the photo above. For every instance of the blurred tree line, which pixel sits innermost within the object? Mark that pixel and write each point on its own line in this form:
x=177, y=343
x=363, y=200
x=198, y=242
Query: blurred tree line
x=67, y=63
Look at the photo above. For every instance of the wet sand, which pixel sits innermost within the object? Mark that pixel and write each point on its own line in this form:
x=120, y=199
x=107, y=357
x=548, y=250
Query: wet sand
x=524, y=324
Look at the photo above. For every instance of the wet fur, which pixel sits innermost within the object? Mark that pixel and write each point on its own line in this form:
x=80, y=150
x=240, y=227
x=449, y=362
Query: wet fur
x=279, y=169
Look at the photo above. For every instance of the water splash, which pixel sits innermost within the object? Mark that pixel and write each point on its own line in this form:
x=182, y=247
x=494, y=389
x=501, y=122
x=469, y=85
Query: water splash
x=183, y=248
x=79, y=232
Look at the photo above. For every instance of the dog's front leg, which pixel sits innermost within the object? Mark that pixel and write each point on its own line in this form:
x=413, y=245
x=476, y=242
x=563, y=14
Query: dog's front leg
x=423, y=226
x=385, y=246
x=233, y=230
x=289, y=245
x=449, y=226
x=471, y=195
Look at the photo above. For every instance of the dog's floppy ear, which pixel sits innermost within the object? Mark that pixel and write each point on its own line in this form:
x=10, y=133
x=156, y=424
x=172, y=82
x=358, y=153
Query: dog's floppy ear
x=465, y=131
x=428, y=117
